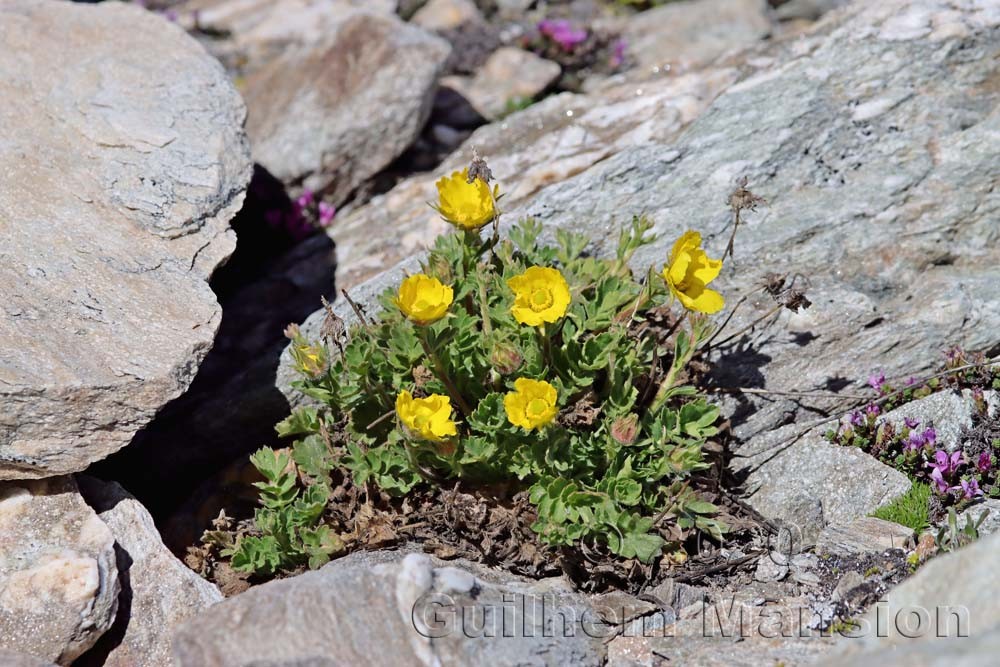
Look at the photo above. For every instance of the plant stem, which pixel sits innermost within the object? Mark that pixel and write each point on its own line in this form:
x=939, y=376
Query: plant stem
x=442, y=375
x=751, y=325
x=729, y=317
x=484, y=307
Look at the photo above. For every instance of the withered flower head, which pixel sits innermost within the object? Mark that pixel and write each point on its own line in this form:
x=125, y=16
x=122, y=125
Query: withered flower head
x=741, y=199
x=785, y=293
x=479, y=169
x=292, y=331
x=333, y=326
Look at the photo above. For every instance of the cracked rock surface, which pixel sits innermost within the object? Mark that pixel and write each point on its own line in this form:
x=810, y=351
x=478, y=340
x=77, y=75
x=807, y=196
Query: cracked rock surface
x=123, y=158
x=387, y=608
x=58, y=578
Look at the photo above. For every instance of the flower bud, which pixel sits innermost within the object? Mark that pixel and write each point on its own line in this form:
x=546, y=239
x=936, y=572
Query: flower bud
x=506, y=358
x=625, y=429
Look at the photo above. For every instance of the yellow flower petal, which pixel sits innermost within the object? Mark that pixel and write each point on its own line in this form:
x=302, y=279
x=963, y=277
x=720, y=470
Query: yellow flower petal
x=689, y=271
x=532, y=404
x=463, y=204
x=705, y=268
x=424, y=299
x=427, y=418
x=541, y=295
x=679, y=268
x=688, y=241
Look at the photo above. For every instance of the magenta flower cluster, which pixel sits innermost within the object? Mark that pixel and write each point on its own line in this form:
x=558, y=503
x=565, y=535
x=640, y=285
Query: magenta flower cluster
x=562, y=33
x=945, y=467
x=305, y=215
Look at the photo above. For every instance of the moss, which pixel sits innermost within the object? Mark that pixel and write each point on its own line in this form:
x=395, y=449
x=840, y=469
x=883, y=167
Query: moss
x=912, y=509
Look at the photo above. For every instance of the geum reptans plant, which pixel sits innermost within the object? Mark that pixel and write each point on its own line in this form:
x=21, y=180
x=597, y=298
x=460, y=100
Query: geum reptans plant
x=513, y=362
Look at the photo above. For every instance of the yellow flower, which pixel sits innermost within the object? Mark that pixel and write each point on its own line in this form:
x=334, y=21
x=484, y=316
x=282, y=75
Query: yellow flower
x=532, y=404
x=424, y=299
x=689, y=271
x=463, y=204
x=428, y=418
x=540, y=295
x=309, y=359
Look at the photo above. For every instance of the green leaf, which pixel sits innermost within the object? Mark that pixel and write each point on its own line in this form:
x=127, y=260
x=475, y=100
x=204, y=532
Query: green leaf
x=312, y=457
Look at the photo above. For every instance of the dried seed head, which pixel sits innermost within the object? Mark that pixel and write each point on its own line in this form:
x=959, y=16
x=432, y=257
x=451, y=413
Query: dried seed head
x=786, y=293
x=479, y=169
x=774, y=283
x=333, y=325
x=292, y=331
x=795, y=300
x=421, y=376
x=741, y=199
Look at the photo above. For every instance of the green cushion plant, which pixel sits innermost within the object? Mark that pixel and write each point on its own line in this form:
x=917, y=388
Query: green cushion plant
x=507, y=361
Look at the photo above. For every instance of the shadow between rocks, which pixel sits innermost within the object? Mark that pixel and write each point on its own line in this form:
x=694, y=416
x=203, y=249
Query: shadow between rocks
x=232, y=405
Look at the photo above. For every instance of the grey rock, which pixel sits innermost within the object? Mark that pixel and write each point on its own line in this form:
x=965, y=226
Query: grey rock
x=58, y=579
x=12, y=659
x=847, y=482
x=385, y=607
x=331, y=113
x=446, y=14
x=978, y=651
x=771, y=567
x=809, y=10
x=864, y=535
x=802, y=521
x=949, y=607
x=693, y=33
x=847, y=583
x=158, y=591
x=257, y=30
x=550, y=141
x=991, y=524
x=950, y=412
x=124, y=160
x=729, y=630
x=510, y=75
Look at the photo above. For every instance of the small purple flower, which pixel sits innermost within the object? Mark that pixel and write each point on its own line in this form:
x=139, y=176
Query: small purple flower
x=856, y=419
x=305, y=199
x=944, y=464
x=910, y=381
x=872, y=411
x=984, y=463
x=877, y=382
x=930, y=436
x=562, y=33
x=939, y=482
x=914, y=443
x=326, y=213
x=969, y=488
x=618, y=54
x=910, y=423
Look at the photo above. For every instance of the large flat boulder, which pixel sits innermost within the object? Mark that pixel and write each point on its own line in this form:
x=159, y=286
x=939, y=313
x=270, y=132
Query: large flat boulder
x=58, y=575
x=124, y=159
x=158, y=592
x=948, y=613
x=332, y=113
x=388, y=608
